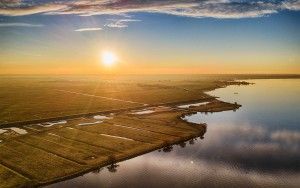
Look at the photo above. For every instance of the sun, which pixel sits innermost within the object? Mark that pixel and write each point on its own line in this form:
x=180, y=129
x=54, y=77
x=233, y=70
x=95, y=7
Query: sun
x=108, y=58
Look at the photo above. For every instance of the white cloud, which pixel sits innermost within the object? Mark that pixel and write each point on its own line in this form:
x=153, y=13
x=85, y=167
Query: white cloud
x=20, y=25
x=286, y=136
x=122, y=23
x=291, y=5
x=189, y=8
x=29, y=10
x=88, y=29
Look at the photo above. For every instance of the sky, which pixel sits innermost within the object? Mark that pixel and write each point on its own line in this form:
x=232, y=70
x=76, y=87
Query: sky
x=150, y=36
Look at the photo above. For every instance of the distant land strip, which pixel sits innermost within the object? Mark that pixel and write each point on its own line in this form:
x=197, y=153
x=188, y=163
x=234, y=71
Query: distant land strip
x=35, y=121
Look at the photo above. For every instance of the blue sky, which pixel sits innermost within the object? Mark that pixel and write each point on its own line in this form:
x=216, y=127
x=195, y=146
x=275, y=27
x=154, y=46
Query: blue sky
x=205, y=36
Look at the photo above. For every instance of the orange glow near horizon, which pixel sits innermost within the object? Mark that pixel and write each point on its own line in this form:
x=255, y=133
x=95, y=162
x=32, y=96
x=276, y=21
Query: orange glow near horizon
x=126, y=59
x=144, y=70
x=157, y=43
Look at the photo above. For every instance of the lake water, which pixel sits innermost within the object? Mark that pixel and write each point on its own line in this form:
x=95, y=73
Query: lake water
x=256, y=146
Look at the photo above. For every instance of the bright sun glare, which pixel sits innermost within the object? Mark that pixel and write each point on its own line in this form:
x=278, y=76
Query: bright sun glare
x=109, y=58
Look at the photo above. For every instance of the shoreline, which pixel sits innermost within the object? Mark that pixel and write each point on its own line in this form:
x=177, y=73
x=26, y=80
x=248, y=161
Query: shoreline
x=225, y=106
x=175, y=115
x=68, y=117
x=120, y=160
x=220, y=84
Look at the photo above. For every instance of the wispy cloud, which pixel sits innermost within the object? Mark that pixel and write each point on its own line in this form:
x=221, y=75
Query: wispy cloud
x=121, y=23
x=88, y=29
x=189, y=8
x=286, y=136
x=291, y=5
x=20, y=25
x=11, y=2
x=30, y=9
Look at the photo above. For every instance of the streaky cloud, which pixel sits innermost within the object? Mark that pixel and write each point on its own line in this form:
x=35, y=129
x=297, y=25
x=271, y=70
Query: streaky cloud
x=30, y=9
x=88, y=29
x=16, y=24
x=190, y=8
x=121, y=23
x=291, y=5
x=286, y=136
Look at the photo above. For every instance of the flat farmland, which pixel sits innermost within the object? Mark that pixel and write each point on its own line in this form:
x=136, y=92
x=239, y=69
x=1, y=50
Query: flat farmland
x=46, y=154
x=96, y=122
x=30, y=98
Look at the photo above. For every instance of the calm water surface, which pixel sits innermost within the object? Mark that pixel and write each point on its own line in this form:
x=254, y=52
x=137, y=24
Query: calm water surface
x=256, y=146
